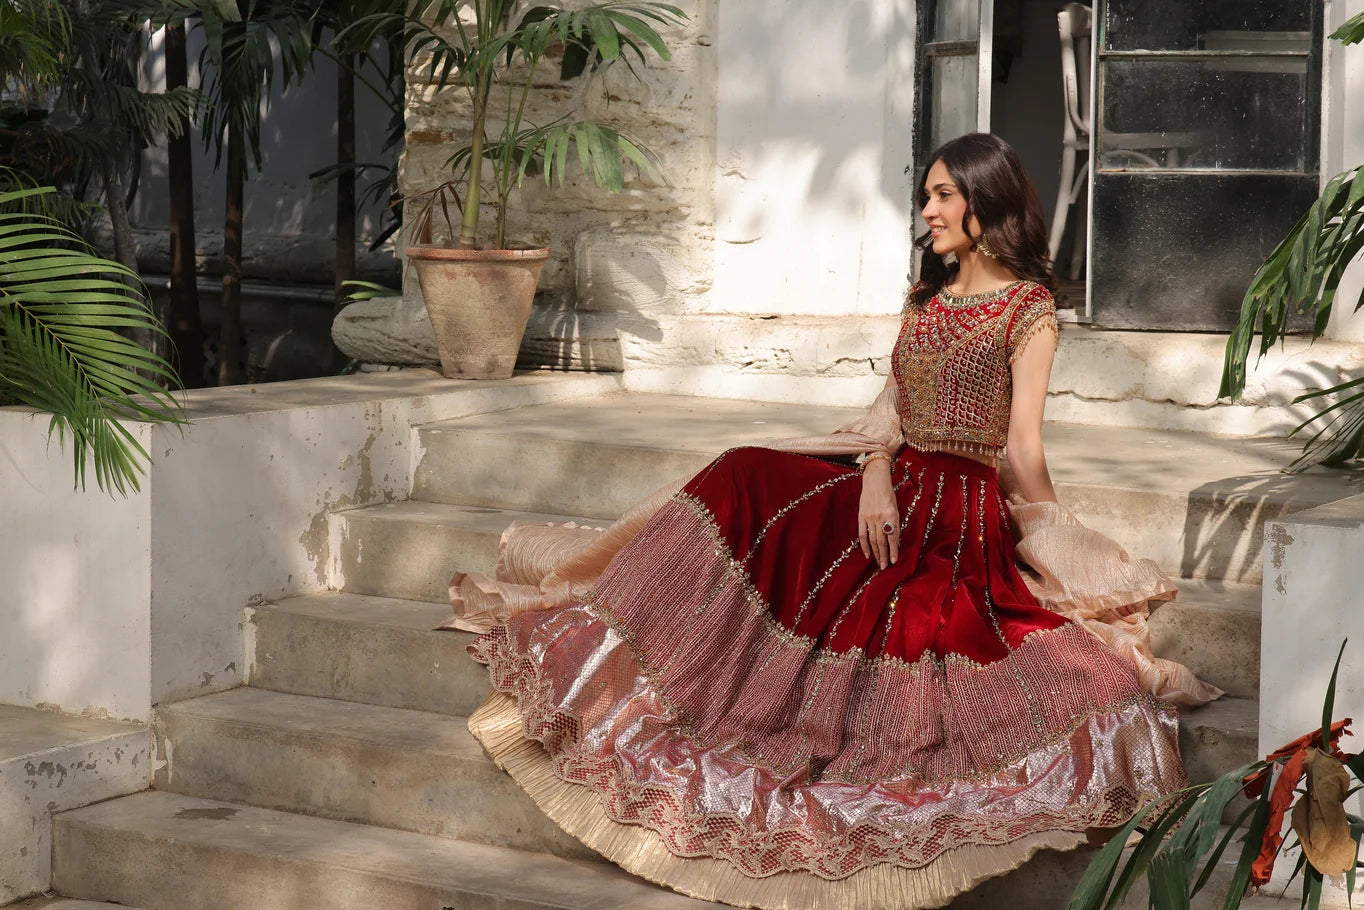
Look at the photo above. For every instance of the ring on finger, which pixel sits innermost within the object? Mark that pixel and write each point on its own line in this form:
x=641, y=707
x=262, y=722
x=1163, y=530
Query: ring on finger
x=888, y=528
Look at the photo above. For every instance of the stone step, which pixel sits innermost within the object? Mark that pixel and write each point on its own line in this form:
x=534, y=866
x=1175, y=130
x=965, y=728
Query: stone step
x=373, y=650
x=410, y=770
x=347, y=646
x=49, y=763
x=383, y=652
x=1195, y=503
x=1213, y=628
x=166, y=850
x=64, y=903
x=410, y=549
x=424, y=772
x=1220, y=736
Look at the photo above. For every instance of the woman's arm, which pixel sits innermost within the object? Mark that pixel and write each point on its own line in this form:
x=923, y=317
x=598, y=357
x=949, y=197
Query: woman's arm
x=1031, y=371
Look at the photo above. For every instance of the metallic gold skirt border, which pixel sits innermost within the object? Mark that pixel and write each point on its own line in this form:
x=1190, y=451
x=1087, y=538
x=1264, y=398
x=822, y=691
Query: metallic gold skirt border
x=498, y=725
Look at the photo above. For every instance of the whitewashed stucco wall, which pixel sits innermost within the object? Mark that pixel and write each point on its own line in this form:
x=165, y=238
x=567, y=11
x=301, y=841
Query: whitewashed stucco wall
x=813, y=207
x=1343, y=147
x=73, y=604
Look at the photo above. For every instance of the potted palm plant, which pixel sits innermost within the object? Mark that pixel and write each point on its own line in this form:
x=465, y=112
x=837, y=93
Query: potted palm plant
x=479, y=294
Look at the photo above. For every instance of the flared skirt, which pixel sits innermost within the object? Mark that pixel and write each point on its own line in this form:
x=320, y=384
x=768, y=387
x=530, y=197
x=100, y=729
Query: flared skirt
x=748, y=709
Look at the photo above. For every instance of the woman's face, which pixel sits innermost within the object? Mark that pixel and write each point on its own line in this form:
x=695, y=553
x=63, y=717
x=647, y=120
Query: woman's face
x=944, y=210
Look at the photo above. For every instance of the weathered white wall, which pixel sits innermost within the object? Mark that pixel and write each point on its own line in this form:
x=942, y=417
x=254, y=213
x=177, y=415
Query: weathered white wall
x=814, y=132
x=1313, y=600
x=112, y=605
x=73, y=600
x=1343, y=147
x=239, y=509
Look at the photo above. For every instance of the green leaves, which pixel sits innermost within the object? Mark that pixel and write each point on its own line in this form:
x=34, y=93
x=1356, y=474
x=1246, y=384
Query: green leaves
x=33, y=36
x=61, y=309
x=1352, y=32
x=1302, y=275
x=1182, y=832
x=1179, y=865
x=603, y=153
x=241, y=53
x=474, y=44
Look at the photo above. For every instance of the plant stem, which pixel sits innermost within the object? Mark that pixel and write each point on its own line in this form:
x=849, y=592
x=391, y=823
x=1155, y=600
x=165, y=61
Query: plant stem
x=468, y=231
x=229, y=345
x=504, y=177
x=345, y=188
x=185, y=324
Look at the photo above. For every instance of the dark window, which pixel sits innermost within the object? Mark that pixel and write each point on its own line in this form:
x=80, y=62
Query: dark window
x=1206, y=151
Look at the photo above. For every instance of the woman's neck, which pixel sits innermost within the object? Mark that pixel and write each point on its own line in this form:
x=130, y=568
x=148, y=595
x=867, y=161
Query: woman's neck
x=979, y=274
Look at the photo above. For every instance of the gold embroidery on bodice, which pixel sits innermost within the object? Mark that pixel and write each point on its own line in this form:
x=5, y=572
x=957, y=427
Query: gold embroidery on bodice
x=952, y=365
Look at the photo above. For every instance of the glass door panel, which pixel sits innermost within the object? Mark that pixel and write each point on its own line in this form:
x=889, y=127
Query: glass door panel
x=956, y=20
x=1207, y=152
x=954, y=64
x=954, y=72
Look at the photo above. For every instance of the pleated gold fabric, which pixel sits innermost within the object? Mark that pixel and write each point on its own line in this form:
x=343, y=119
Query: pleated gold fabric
x=637, y=849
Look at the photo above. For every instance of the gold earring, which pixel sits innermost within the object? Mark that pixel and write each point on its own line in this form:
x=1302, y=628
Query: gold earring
x=984, y=248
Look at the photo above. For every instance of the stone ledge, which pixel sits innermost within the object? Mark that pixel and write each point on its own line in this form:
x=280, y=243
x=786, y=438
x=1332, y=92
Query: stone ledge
x=1165, y=381
x=49, y=763
x=145, y=607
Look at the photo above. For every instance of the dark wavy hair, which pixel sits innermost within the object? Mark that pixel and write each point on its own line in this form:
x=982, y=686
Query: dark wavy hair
x=998, y=192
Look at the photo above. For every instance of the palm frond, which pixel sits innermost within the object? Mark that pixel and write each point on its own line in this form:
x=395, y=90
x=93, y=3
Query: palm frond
x=486, y=45
x=1303, y=275
x=1352, y=32
x=61, y=309
x=152, y=116
x=33, y=36
x=241, y=58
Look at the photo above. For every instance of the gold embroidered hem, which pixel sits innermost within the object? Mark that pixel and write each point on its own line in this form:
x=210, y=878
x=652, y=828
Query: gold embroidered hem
x=643, y=852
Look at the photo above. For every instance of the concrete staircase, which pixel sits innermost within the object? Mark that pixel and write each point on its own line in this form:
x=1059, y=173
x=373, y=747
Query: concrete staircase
x=344, y=776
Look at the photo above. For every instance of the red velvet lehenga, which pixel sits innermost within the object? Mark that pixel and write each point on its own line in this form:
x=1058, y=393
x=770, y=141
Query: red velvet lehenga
x=722, y=694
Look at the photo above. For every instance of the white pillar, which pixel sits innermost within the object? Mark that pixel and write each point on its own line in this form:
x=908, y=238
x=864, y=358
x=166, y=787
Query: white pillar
x=1313, y=594
x=1343, y=147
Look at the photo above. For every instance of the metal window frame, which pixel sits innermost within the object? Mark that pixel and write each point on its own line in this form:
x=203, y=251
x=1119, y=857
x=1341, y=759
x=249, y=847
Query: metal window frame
x=1099, y=56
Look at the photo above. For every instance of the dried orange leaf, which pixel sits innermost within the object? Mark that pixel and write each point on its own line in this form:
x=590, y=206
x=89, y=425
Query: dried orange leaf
x=1319, y=817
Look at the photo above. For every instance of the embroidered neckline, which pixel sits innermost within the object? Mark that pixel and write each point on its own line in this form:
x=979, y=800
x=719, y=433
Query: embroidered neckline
x=959, y=301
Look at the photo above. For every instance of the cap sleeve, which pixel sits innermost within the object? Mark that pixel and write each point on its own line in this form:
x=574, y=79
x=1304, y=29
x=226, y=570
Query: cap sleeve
x=1035, y=313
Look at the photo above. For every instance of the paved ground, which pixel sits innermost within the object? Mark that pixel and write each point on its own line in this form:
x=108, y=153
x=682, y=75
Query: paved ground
x=1138, y=459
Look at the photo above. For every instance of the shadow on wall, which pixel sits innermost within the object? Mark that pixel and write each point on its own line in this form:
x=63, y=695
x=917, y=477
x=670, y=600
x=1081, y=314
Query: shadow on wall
x=1214, y=545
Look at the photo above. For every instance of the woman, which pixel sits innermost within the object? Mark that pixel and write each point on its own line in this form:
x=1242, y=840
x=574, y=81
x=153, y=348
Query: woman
x=793, y=683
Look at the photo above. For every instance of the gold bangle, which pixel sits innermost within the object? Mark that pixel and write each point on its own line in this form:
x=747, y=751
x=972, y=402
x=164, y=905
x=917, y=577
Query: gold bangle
x=873, y=456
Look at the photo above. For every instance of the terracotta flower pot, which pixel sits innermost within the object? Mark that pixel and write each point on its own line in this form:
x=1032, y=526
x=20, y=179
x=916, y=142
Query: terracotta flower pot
x=479, y=302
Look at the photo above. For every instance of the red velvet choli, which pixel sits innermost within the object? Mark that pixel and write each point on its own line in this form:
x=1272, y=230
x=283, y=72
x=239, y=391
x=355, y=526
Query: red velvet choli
x=952, y=365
